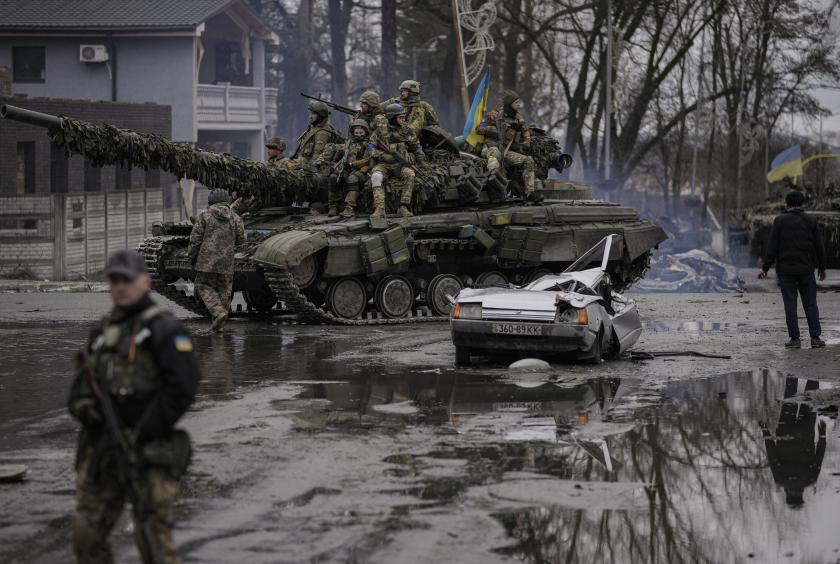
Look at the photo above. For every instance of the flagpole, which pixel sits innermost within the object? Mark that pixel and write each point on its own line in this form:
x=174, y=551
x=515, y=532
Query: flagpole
x=462, y=61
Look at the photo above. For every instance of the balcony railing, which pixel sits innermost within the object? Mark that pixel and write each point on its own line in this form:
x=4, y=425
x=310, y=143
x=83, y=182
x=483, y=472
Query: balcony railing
x=223, y=105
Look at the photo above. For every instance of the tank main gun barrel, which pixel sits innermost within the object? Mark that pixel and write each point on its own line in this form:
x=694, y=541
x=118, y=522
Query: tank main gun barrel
x=103, y=144
x=7, y=111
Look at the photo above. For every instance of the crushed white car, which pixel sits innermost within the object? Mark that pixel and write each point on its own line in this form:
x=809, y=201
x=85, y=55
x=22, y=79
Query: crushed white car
x=575, y=311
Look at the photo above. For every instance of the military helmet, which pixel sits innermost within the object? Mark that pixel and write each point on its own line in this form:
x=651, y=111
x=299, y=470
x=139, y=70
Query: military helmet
x=276, y=143
x=370, y=98
x=412, y=86
x=217, y=195
x=394, y=110
x=509, y=97
x=320, y=108
x=359, y=123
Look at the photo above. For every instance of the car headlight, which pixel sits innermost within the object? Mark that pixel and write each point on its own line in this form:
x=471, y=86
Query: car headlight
x=578, y=316
x=466, y=311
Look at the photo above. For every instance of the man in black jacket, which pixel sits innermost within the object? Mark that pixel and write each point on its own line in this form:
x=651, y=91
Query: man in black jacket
x=142, y=358
x=796, y=247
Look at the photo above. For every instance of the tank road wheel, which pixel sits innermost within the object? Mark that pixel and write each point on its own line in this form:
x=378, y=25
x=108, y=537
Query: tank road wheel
x=304, y=274
x=261, y=300
x=347, y=298
x=536, y=274
x=394, y=296
x=440, y=287
x=490, y=279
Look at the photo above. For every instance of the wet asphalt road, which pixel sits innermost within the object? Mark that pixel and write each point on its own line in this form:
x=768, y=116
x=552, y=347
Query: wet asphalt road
x=332, y=444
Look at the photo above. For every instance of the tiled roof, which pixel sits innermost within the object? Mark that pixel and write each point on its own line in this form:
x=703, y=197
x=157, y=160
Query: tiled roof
x=54, y=15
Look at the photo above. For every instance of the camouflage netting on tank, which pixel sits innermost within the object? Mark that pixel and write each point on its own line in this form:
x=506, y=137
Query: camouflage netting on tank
x=108, y=145
x=547, y=154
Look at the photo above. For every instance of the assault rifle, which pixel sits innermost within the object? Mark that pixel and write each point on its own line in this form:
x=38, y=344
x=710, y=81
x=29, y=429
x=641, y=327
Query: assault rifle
x=333, y=105
x=128, y=467
x=402, y=160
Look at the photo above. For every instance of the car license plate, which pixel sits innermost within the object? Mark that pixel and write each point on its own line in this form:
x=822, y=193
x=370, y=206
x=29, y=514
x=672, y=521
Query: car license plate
x=515, y=329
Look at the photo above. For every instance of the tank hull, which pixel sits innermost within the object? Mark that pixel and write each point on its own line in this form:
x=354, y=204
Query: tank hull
x=402, y=270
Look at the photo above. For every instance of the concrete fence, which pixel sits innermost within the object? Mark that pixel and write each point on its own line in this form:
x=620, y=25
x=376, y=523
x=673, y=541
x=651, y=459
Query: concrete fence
x=69, y=236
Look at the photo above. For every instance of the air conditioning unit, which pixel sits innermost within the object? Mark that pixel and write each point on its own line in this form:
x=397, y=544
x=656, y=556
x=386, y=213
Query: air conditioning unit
x=93, y=53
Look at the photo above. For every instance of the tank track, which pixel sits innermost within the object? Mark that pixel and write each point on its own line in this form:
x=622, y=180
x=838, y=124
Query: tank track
x=152, y=251
x=281, y=283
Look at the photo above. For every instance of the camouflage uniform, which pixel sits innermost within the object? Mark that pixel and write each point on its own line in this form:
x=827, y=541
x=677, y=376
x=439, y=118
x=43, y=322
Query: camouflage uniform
x=314, y=140
x=213, y=241
x=142, y=356
x=419, y=113
x=399, y=139
x=372, y=100
x=350, y=175
x=515, y=138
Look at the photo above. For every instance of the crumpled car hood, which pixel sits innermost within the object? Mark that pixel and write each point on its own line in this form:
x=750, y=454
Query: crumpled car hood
x=525, y=300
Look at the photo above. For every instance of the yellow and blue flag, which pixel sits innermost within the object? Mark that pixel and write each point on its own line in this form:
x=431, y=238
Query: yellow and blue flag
x=786, y=163
x=477, y=109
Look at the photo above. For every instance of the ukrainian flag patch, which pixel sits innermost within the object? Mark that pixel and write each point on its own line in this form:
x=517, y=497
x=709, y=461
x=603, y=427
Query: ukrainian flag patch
x=183, y=343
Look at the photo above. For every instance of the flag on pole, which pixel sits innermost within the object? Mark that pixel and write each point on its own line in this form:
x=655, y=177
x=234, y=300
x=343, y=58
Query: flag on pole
x=786, y=163
x=477, y=109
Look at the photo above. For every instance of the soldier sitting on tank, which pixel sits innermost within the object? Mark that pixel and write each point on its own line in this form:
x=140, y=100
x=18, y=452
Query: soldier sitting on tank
x=506, y=132
x=394, y=153
x=274, y=148
x=213, y=241
x=419, y=113
x=351, y=172
x=369, y=104
x=311, y=143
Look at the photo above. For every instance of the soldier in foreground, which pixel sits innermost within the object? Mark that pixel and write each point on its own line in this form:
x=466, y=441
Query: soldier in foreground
x=394, y=153
x=213, y=241
x=137, y=376
x=419, y=113
x=351, y=172
x=506, y=138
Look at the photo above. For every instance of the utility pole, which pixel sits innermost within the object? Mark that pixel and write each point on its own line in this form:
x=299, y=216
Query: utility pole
x=462, y=61
x=609, y=101
x=700, y=94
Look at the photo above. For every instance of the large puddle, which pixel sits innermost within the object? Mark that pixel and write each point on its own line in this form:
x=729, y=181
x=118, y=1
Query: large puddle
x=726, y=469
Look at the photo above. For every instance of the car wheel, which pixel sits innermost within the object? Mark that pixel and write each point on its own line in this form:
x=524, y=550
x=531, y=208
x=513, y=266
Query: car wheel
x=610, y=346
x=596, y=354
x=462, y=356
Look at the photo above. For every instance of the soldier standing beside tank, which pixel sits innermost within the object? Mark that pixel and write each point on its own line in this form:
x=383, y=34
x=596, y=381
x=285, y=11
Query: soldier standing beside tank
x=419, y=113
x=350, y=174
x=393, y=152
x=506, y=136
x=213, y=241
x=137, y=376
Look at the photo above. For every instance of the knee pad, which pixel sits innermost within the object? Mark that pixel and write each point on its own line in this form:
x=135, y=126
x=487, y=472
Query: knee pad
x=376, y=179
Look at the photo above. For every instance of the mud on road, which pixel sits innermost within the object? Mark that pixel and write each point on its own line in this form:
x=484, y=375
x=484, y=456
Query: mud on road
x=334, y=444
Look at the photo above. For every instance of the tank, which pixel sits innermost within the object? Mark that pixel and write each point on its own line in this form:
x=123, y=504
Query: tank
x=470, y=229
x=758, y=221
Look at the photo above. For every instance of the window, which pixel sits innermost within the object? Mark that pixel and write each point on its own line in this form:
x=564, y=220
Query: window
x=25, y=170
x=58, y=170
x=123, y=180
x=230, y=65
x=28, y=64
x=93, y=177
x=153, y=178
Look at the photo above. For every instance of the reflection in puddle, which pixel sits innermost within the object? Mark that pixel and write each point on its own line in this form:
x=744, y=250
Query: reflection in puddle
x=689, y=326
x=735, y=467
